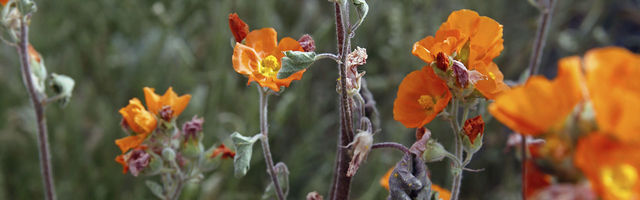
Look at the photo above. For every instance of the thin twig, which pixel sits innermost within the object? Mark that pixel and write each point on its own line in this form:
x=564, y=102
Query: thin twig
x=266, y=151
x=331, y=56
x=43, y=141
x=392, y=145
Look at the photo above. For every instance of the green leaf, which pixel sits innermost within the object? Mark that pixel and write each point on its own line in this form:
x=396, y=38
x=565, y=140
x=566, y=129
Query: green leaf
x=294, y=61
x=463, y=57
x=155, y=188
x=282, y=172
x=244, y=148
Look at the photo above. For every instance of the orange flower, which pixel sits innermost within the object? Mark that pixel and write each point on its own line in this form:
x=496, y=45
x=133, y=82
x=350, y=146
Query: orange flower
x=473, y=128
x=226, y=152
x=421, y=96
x=612, y=167
x=484, y=36
x=260, y=58
x=239, y=29
x=443, y=194
x=533, y=108
x=4, y=2
x=140, y=121
x=125, y=166
x=613, y=80
x=155, y=102
x=384, y=181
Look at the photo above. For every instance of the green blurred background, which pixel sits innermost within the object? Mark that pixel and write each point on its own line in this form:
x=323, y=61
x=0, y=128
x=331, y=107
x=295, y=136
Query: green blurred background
x=113, y=48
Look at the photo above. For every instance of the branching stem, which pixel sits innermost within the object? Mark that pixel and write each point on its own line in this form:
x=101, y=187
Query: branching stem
x=266, y=151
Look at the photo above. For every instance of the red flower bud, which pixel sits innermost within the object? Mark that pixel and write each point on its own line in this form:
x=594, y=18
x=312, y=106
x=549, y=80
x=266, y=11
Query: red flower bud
x=473, y=128
x=442, y=61
x=239, y=29
x=307, y=43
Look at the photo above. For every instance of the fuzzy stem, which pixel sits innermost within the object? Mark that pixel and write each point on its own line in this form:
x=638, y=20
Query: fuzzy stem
x=457, y=177
x=341, y=182
x=266, y=151
x=392, y=145
x=43, y=141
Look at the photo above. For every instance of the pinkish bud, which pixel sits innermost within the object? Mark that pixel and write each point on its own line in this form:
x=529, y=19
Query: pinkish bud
x=191, y=128
x=465, y=76
x=166, y=113
x=138, y=160
x=307, y=43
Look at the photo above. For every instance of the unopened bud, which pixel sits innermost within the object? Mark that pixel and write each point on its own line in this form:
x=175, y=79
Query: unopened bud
x=168, y=154
x=239, y=29
x=434, y=152
x=442, y=61
x=307, y=43
x=191, y=128
x=314, y=196
x=473, y=131
x=166, y=113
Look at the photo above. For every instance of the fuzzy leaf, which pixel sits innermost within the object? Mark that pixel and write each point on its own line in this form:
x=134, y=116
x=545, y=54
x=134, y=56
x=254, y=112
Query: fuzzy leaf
x=244, y=148
x=409, y=180
x=294, y=61
x=155, y=188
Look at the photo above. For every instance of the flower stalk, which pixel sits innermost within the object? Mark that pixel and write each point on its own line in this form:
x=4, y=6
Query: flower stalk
x=36, y=100
x=266, y=151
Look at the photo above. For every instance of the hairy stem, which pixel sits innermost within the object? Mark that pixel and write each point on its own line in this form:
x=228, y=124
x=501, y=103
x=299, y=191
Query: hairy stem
x=266, y=151
x=541, y=36
x=457, y=176
x=392, y=145
x=43, y=141
x=341, y=182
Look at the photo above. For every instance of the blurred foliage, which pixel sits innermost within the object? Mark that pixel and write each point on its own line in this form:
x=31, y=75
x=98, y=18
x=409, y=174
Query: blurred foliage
x=113, y=48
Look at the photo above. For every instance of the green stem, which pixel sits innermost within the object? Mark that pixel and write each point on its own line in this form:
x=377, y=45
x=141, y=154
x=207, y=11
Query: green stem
x=266, y=151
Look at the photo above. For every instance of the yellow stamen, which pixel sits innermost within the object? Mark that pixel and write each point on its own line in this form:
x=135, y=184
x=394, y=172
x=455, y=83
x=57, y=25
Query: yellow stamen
x=619, y=180
x=427, y=102
x=492, y=76
x=269, y=66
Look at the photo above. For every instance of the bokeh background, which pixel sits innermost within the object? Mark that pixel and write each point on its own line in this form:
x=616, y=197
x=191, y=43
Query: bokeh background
x=113, y=48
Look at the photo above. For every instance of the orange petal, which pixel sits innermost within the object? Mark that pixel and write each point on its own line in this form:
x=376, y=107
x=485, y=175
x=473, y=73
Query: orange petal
x=384, y=181
x=420, y=86
x=443, y=194
x=152, y=99
x=245, y=59
x=533, y=108
x=178, y=104
x=286, y=44
x=129, y=142
x=32, y=51
x=263, y=41
x=494, y=84
x=613, y=79
x=612, y=166
x=125, y=166
x=137, y=118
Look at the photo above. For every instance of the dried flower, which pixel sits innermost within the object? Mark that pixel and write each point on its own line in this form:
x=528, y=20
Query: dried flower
x=314, y=196
x=361, y=147
x=138, y=160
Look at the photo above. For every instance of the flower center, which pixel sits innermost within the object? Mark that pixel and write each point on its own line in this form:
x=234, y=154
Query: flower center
x=427, y=102
x=493, y=76
x=619, y=179
x=269, y=66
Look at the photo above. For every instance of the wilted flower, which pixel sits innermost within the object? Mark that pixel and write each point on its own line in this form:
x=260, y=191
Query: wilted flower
x=224, y=151
x=361, y=147
x=307, y=43
x=137, y=160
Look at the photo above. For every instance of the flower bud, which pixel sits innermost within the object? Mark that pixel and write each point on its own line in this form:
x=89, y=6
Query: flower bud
x=442, y=61
x=168, y=154
x=166, y=113
x=361, y=148
x=434, y=152
x=307, y=43
x=239, y=29
x=464, y=76
x=224, y=151
x=473, y=132
x=192, y=128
